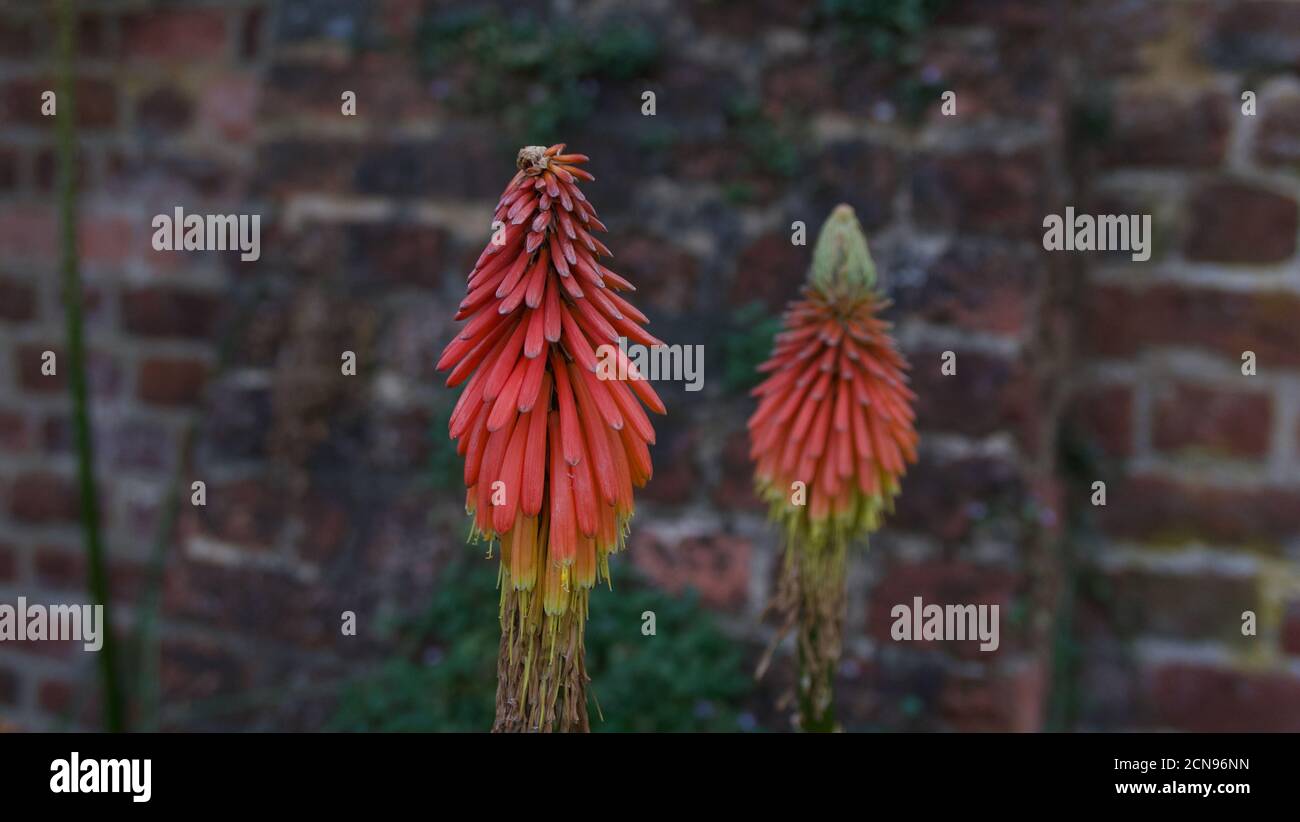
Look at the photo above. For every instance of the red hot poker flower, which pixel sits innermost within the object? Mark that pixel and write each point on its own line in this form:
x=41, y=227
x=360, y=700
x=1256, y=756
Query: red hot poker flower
x=552, y=451
x=831, y=438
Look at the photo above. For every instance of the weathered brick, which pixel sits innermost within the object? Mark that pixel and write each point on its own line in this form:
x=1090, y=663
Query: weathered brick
x=987, y=393
x=675, y=478
x=8, y=168
x=164, y=311
x=175, y=35
x=1290, y=633
x=463, y=163
x=306, y=165
x=165, y=110
x=40, y=497
x=1163, y=129
x=102, y=372
x=1163, y=510
x=715, y=565
x=1103, y=415
x=249, y=514
x=1278, y=140
x=1233, y=222
x=866, y=175
x=56, y=696
x=172, y=381
x=191, y=669
x=59, y=567
x=1258, y=35
x=943, y=583
x=397, y=254
x=17, y=300
x=997, y=701
x=252, y=601
x=18, y=37
x=950, y=498
x=8, y=563
x=1120, y=322
x=664, y=275
x=770, y=270
x=1190, y=606
x=228, y=108
x=1196, y=418
x=10, y=687
x=17, y=433
x=980, y=286
x=1192, y=697
x=981, y=192
x=735, y=489
x=95, y=104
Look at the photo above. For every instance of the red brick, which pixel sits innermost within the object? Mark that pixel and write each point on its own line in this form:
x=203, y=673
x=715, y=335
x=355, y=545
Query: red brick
x=981, y=192
x=268, y=603
x=988, y=393
x=665, y=275
x=1200, y=606
x=30, y=232
x=1254, y=34
x=17, y=300
x=1278, y=140
x=1160, y=129
x=96, y=102
x=1195, y=418
x=980, y=286
x=1191, y=697
x=735, y=489
x=1234, y=222
x=198, y=669
x=770, y=270
x=180, y=35
x=228, y=108
x=675, y=478
x=8, y=168
x=249, y=514
x=102, y=370
x=398, y=254
x=59, y=567
x=998, y=701
x=943, y=583
x=1120, y=322
x=18, y=38
x=1103, y=416
x=948, y=499
x=1167, y=511
x=1290, y=638
x=10, y=687
x=39, y=497
x=56, y=696
x=8, y=563
x=105, y=240
x=168, y=381
x=715, y=565
x=165, y=110
x=17, y=433
x=161, y=311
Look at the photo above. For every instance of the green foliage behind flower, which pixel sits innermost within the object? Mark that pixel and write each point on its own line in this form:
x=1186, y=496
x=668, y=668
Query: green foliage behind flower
x=689, y=676
x=539, y=76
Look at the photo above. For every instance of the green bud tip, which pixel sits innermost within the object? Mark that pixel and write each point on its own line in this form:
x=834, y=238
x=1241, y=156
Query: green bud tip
x=842, y=264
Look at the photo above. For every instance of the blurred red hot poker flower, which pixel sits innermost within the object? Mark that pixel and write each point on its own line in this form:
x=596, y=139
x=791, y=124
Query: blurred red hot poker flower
x=831, y=438
x=552, y=451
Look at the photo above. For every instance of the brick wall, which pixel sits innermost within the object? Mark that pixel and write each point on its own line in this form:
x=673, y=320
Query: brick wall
x=1203, y=474
x=318, y=491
